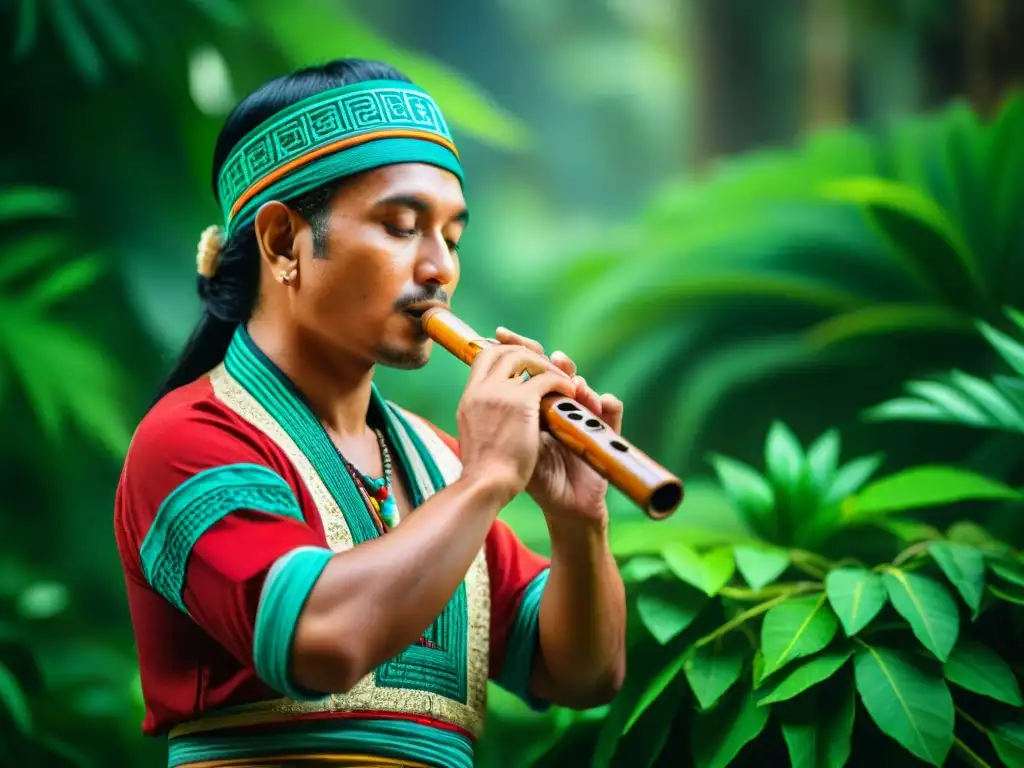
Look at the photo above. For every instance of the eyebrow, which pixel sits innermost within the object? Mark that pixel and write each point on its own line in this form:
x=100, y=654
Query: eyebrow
x=420, y=205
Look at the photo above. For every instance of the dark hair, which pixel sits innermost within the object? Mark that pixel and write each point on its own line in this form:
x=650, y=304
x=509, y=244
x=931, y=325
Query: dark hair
x=230, y=296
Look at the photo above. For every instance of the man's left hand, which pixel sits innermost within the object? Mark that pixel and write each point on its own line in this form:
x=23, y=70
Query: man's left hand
x=563, y=485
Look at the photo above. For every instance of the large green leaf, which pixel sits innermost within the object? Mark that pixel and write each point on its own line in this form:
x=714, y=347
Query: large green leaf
x=964, y=567
x=747, y=488
x=93, y=31
x=818, y=728
x=1007, y=739
x=879, y=319
x=12, y=699
x=978, y=668
x=713, y=668
x=655, y=688
x=1008, y=572
x=852, y=476
x=971, y=534
x=783, y=457
x=24, y=203
x=760, y=565
x=1009, y=349
x=928, y=608
x=856, y=595
x=796, y=628
x=708, y=572
x=1010, y=594
x=924, y=487
x=958, y=399
x=803, y=675
x=905, y=216
x=720, y=734
x=66, y=375
x=823, y=460
x=667, y=608
x=907, y=703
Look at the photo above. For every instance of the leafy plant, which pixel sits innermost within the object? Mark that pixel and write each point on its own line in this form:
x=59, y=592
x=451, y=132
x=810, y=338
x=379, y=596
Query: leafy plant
x=66, y=376
x=797, y=270
x=93, y=30
x=51, y=655
x=797, y=501
x=783, y=632
x=960, y=398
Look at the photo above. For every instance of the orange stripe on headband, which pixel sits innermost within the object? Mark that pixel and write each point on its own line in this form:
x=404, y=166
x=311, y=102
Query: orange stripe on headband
x=351, y=141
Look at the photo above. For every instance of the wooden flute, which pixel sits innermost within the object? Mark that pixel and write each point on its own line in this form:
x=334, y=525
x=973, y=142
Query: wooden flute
x=649, y=485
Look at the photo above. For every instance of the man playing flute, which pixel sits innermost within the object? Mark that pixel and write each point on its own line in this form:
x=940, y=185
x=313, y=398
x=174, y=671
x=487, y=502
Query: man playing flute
x=315, y=574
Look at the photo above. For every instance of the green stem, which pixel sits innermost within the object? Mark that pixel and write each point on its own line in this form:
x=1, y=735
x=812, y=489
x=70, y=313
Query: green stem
x=739, y=620
x=810, y=563
x=810, y=570
x=742, y=593
x=910, y=552
x=972, y=721
x=972, y=757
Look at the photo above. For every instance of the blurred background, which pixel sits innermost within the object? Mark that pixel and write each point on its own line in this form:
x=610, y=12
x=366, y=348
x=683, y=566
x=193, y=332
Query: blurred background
x=731, y=213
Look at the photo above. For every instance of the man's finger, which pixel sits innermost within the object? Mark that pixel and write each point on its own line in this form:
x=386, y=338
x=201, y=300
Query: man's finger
x=564, y=362
x=519, y=359
x=611, y=411
x=505, y=336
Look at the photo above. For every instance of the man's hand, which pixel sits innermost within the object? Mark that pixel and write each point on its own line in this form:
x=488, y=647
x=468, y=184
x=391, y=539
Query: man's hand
x=563, y=485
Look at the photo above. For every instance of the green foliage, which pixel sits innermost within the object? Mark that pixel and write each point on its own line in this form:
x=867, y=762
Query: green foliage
x=960, y=398
x=852, y=262
x=818, y=634
x=797, y=501
x=64, y=688
x=66, y=376
x=90, y=31
x=298, y=31
x=804, y=600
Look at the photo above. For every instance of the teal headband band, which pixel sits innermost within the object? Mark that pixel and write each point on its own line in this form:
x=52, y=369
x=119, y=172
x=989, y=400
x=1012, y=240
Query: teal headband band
x=330, y=135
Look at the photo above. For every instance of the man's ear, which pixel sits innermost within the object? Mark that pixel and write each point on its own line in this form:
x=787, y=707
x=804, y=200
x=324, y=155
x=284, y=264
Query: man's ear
x=277, y=227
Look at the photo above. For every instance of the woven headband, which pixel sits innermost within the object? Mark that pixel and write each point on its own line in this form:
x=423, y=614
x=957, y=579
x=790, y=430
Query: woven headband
x=331, y=135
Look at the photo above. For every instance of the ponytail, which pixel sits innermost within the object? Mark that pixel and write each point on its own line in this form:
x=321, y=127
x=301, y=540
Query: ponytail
x=228, y=283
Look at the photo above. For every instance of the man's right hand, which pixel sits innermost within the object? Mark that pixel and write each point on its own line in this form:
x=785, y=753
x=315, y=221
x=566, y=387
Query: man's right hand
x=499, y=414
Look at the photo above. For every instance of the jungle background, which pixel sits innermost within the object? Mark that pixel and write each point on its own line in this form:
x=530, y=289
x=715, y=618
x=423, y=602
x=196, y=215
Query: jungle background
x=788, y=234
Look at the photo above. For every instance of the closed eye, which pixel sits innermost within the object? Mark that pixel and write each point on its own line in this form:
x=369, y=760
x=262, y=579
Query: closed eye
x=398, y=231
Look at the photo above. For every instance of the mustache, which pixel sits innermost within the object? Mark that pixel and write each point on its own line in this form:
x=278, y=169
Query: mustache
x=437, y=294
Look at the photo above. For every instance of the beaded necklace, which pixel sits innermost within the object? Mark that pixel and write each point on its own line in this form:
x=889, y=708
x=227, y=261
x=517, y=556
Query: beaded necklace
x=379, y=491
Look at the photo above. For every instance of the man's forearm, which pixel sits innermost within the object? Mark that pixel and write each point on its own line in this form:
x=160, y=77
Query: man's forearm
x=582, y=619
x=391, y=587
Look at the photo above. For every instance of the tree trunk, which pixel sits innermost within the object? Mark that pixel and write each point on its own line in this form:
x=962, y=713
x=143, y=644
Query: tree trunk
x=827, y=65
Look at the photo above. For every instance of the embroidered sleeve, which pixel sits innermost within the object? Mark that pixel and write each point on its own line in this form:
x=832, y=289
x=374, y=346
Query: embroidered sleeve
x=517, y=577
x=220, y=535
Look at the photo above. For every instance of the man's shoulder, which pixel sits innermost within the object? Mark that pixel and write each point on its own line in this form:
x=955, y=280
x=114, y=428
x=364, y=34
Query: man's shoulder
x=189, y=418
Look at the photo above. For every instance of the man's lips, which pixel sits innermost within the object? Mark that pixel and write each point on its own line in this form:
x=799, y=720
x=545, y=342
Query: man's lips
x=416, y=311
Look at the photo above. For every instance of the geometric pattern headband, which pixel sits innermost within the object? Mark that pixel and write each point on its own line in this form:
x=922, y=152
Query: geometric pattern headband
x=330, y=135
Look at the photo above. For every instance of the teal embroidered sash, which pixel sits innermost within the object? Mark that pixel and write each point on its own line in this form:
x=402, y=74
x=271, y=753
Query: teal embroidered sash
x=440, y=665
